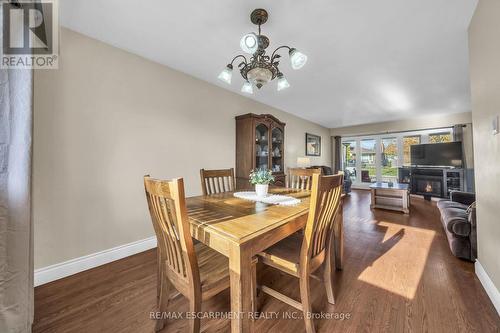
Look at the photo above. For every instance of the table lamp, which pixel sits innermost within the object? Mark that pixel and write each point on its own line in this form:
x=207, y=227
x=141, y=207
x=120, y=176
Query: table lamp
x=303, y=162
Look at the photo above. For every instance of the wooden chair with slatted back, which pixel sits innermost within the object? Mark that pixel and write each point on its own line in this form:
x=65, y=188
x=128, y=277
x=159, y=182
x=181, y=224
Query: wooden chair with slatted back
x=196, y=271
x=217, y=181
x=301, y=179
x=301, y=255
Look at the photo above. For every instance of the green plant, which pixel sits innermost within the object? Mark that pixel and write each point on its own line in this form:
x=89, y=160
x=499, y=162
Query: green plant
x=261, y=176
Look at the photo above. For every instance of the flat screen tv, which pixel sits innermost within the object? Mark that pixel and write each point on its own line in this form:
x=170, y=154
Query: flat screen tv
x=447, y=154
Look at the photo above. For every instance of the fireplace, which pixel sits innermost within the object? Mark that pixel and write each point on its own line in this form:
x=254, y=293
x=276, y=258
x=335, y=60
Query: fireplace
x=429, y=186
x=427, y=182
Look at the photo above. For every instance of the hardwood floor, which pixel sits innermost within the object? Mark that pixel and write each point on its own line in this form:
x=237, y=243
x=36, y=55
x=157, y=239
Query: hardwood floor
x=399, y=276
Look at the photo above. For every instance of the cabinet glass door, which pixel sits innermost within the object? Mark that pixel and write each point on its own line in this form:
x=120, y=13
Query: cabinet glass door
x=261, y=146
x=277, y=150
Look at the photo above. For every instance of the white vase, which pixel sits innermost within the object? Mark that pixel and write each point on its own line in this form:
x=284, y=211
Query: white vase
x=261, y=190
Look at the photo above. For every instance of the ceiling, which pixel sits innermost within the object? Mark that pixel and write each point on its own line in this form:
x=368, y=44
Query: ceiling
x=368, y=61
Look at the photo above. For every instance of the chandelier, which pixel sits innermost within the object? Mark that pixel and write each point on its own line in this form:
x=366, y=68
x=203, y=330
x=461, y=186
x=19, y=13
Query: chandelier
x=261, y=68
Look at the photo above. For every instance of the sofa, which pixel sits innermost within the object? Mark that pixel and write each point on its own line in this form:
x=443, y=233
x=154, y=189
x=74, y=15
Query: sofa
x=458, y=216
x=325, y=170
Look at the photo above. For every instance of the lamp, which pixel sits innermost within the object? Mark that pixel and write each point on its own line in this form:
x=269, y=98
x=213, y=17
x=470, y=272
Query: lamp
x=261, y=67
x=303, y=162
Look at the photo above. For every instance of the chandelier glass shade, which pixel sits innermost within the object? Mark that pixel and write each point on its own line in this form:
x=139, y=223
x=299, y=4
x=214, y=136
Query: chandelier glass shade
x=247, y=88
x=249, y=43
x=259, y=76
x=226, y=74
x=282, y=82
x=297, y=59
x=261, y=68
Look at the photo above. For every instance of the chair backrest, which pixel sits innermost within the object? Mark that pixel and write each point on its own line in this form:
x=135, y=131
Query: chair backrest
x=324, y=206
x=217, y=181
x=301, y=179
x=167, y=206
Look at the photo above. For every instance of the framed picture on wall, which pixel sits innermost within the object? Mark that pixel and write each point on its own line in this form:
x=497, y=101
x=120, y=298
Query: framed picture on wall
x=313, y=145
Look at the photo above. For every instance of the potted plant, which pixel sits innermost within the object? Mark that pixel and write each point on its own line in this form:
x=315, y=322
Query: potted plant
x=261, y=178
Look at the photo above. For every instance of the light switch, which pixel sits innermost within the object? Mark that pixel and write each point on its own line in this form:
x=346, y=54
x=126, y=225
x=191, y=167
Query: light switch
x=494, y=125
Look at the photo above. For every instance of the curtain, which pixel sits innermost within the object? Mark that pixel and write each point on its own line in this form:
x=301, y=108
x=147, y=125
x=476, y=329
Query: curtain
x=16, y=239
x=337, y=152
x=458, y=132
x=463, y=133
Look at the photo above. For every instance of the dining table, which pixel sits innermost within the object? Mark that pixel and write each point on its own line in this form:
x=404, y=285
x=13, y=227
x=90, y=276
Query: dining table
x=240, y=229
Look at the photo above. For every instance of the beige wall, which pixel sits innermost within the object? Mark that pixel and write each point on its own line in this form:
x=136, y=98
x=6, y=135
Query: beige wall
x=417, y=123
x=106, y=118
x=485, y=86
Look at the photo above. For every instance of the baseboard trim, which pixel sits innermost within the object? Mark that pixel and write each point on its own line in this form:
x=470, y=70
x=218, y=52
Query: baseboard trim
x=77, y=265
x=488, y=285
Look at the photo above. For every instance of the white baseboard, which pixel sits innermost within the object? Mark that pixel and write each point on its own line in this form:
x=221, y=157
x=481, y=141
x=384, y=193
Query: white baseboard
x=488, y=285
x=73, y=266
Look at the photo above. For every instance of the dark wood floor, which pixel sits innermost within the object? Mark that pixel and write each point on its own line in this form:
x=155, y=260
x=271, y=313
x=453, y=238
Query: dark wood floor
x=399, y=276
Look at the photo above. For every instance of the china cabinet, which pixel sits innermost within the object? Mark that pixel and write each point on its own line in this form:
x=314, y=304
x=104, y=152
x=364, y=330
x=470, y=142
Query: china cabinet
x=260, y=142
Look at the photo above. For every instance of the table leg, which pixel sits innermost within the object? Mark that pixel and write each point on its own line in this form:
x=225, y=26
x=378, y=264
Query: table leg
x=339, y=239
x=240, y=267
x=372, y=198
x=406, y=202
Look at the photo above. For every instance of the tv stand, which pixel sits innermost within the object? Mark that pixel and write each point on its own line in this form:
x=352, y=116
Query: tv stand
x=436, y=181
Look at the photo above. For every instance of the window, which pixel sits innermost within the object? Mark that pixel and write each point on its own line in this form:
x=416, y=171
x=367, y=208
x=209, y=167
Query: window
x=349, y=158
x=408, y=141
x=368, y=167
x=440, y=137
x=370, y=158
x=389, y=159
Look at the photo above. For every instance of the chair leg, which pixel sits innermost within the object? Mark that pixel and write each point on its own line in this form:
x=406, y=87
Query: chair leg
x=158, y=276
x=195, y=307
x=328, y=269
x=339, y=239
x=305, y=297
x=164, y=286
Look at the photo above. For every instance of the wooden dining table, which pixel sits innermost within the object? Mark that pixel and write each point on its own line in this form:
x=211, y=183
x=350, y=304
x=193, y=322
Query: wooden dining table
x=240, y=229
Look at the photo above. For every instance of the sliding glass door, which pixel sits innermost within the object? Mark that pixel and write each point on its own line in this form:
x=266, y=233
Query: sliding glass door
x=368, y=163
x=408, y=141
x=349, y=158
x=389, y=160
x=371, y=158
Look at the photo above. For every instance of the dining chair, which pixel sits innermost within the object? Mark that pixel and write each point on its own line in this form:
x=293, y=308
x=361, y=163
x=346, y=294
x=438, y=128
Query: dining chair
x=300, y=255
x=301, y=179
x=217, y=181
x=196, y=271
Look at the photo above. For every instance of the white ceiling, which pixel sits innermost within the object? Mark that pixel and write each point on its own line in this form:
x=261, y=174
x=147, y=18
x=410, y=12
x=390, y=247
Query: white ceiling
x=368, y=61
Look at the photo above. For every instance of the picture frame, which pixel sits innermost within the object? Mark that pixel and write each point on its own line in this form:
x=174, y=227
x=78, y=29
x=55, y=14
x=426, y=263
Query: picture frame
x=313, y=145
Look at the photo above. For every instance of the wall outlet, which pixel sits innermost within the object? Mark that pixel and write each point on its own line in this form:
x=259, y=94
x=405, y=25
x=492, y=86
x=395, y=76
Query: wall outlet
x=494, y=125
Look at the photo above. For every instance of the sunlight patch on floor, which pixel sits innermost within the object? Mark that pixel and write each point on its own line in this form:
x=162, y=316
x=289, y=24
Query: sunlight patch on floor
x=394, y=270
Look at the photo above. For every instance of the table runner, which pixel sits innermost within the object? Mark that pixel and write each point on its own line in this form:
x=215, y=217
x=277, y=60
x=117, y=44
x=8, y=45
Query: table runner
x=273, y=199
